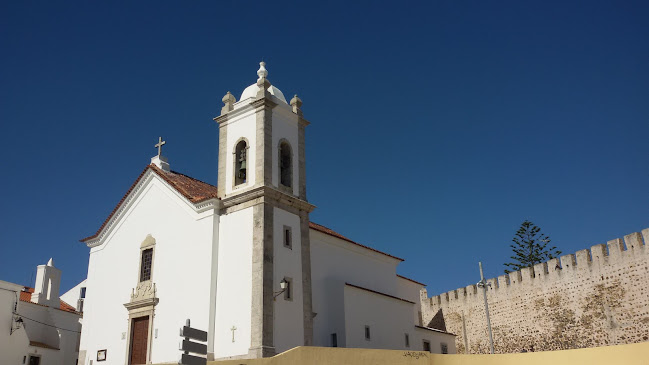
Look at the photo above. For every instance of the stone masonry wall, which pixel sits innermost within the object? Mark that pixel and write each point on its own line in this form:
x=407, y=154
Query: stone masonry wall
x=596, y=297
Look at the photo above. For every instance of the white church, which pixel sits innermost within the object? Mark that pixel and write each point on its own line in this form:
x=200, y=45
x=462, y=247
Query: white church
x=241, y=259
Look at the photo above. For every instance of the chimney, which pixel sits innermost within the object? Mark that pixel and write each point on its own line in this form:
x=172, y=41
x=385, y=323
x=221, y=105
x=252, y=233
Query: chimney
x=48, y=281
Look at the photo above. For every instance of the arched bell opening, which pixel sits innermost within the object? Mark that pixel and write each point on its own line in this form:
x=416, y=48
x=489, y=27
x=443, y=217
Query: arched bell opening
x=241, y=163
x=285, y=164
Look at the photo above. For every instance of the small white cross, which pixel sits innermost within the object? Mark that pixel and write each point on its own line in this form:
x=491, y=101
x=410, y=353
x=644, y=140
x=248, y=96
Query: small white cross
x=159, y=145
x=233, y=329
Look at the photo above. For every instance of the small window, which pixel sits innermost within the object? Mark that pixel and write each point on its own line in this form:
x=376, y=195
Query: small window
x=288, y=239
x=145, y=268
x=334, y=340
x=288, y=293
x=367, y=333
x=426, y=345
x=407, y=339
x=82, y=295
x=444, y=348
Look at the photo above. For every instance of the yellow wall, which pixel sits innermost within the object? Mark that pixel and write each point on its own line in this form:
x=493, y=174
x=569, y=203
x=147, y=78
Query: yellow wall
x=634, y=354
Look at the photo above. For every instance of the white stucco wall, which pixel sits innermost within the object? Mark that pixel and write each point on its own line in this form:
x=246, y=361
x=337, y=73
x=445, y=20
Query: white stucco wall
x=72, y=295
x=289, y=324
x=181, y=271
x=37, y=331
x=58, y=329
x=389, y=320
x=12, y=347
x=435, y=338
x=334, y=262
x=69, y=328
x=234, y=288
x=409, y=290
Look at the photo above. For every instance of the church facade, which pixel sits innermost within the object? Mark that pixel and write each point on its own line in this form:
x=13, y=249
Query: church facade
x=241, y=259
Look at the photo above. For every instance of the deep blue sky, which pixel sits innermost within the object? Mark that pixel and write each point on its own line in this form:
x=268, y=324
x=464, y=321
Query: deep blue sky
x=437, y=127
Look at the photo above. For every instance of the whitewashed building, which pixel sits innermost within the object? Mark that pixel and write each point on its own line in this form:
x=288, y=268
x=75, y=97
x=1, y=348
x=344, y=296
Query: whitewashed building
x=38, y=327
x=177, y=248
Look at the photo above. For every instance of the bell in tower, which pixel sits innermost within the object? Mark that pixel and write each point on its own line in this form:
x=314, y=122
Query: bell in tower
x=242, y=165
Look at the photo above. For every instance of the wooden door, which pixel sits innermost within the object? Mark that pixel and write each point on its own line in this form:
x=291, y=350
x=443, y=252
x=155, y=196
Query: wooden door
x=139, y=340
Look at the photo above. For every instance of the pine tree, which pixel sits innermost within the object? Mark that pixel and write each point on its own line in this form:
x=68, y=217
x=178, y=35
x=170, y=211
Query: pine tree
x=530, y=248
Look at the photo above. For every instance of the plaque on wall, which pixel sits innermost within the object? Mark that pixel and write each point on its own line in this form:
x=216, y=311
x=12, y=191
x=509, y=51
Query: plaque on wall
x=101, y=355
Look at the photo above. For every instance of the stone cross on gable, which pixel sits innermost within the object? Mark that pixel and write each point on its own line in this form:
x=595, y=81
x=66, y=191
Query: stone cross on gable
x=233, y=329
x=159, y=145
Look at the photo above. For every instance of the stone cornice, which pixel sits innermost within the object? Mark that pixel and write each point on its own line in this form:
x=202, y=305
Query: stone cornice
x=263, y=103
x=255, y=104
x=221, y=118
x=150, y=302
x=265, y=194
x=303, y=122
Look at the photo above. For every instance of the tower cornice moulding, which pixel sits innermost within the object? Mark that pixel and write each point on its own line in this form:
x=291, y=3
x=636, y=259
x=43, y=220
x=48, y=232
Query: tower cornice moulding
x=252, y=106
x=263, y=103
x=264, y=194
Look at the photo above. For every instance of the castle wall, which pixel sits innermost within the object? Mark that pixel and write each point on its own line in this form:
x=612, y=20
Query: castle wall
x=596, y=297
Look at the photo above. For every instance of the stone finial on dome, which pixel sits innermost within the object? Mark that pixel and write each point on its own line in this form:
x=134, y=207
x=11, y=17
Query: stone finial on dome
x=296, y=103
x=50, y=262
x=262, y=72
x=228, y=101
x=262, y=88
x=262, y=83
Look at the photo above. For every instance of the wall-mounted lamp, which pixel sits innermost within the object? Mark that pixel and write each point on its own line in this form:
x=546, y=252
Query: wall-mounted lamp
x=18, y=321
x=283, y=285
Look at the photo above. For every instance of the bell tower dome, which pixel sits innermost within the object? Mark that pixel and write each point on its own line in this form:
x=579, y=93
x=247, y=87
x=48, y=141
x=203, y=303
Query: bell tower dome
x=261, y=140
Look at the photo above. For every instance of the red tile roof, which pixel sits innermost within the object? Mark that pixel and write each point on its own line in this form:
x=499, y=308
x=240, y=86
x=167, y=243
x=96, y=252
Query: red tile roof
x=194, y=190
x=379, y=293
x=435, y=330
x=414, y=281
x=67, y=307
x=43, y=345
x=26, y=296
x=329, y=231
x=197, y=191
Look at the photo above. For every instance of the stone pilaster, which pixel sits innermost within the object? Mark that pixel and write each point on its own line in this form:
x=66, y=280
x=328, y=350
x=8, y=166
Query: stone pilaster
x=296, y=105
x=301, y=147
x=261, y=344
x=307, y=308
x=264, y=141
x=222, y=169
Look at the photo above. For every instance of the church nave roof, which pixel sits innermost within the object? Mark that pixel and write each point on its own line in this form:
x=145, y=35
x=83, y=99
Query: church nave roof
x=194, y=190
x=197, y=191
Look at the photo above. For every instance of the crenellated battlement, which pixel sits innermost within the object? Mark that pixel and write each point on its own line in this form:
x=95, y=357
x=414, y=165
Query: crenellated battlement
x=586, y=261
x=602, y=283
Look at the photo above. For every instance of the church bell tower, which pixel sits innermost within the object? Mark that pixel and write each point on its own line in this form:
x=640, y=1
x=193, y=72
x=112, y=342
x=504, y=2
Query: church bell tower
x=263, y=295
